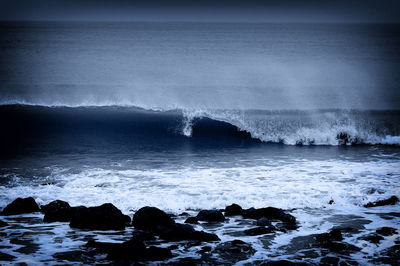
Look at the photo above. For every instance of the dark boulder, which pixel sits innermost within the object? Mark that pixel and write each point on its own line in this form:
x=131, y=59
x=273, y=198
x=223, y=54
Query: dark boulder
x=2, y=223
x=210, y=216
x=234, y=251
x=191, y=220
x=56, y=211
x=150, y=218
x=104, y=217
x=179, y=232
x=261, y=230
x=270, y=213
x=21, y=205
x=386, y=231
x=233, y=210
x=390, y=201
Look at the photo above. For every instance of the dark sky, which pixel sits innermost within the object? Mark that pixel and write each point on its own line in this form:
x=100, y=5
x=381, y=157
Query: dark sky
x=205, y=10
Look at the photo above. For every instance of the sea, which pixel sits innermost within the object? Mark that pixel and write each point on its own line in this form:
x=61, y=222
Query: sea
x=186, y=116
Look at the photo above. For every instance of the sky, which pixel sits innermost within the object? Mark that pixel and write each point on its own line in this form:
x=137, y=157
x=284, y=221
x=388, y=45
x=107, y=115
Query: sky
x=382, y=11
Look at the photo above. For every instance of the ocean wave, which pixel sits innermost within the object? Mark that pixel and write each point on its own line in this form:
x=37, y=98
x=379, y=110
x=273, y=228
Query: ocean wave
x=290, y=127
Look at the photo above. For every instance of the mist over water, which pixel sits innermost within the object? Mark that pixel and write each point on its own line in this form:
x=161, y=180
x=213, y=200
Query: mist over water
x=201, y=65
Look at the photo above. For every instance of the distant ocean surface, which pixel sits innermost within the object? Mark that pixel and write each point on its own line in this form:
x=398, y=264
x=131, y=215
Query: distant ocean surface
x=189, y=116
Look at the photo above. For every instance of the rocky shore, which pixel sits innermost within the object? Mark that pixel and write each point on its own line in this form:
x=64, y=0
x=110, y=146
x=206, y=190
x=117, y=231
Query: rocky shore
x=157, y=236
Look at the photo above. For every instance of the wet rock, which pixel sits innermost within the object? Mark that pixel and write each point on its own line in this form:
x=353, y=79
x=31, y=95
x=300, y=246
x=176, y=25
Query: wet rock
x=130, y=250
x=286, y=226
x=390, y=201
x=2, y=223
x=261, y=230
x=332, y=241
x=6, y=257
x=233, y=210
x=56, y=211
x=389, y=256
x=150, y=218
x=373, y=238
x=179, y=232
x=104, y=217
x=21, y=205
x=331, y=202
x=210, y=216
x=191, y=220
x=270, y=213
x=184, y=214
x=234, y=251
x=263, y=222
x=386, y=231
x=333, y=235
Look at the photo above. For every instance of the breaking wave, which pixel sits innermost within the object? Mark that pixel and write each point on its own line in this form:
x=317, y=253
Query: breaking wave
x=291, y=127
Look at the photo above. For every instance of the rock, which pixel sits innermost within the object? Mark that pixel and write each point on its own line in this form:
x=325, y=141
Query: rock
x=333, y=235
x=104, y=217
x=233, y=210
x=390, y=201
x=179, y=232
x=373, y=238
x=21, y=205
x=6, y=257
x=210, y=216
x=184, y=214
x=261, y=230
x=263, y=222
x=150, y=218
x=332, y=241
x=331, y=202
x=270, y=213
x=192, y=220
x=390, y=256
x=57, y=211
x=2, y=223
x=130, y=250
x=234, y=251
x=386, y=231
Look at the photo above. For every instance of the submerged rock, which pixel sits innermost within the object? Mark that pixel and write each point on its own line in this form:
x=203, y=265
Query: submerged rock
x=210, y=216
x=130, y=250
x=261, y=230
x=263, y=222
x=270, y=213
x=57, y=211
x=373, y=238
x=233, y=210
x=150, y=218
x=333, y=235
x=179, y=232
x=104, y=217
x=390, y=201
x=20, y=206
x=2, y=223
x=191, y=220
x=386, y=231
x=6, y=257
x=234, y=251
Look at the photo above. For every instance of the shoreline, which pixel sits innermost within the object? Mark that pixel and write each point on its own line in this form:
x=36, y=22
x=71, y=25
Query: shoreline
x=102, y=234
